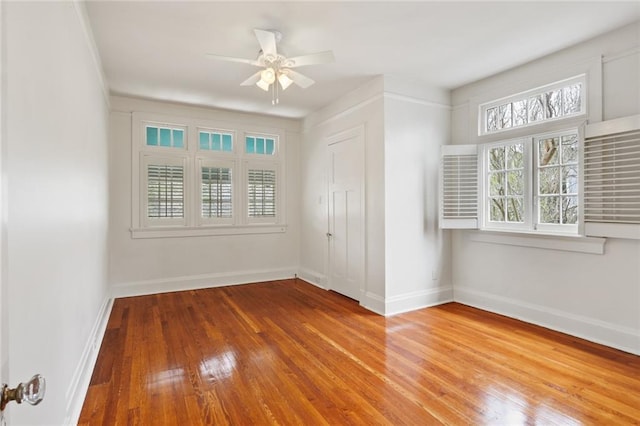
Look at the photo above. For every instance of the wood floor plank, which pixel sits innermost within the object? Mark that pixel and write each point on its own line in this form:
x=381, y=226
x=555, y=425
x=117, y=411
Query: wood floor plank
x=286, y=352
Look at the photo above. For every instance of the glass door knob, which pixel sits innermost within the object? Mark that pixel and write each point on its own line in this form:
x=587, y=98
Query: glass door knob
x=31, y=392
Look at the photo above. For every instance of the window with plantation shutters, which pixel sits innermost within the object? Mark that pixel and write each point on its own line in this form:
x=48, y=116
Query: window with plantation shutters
x=459, y=187
x=163, y=191
x=612, y=178
x=216, y=193
x=203, y=177
x=261, y=193
x=528, y=184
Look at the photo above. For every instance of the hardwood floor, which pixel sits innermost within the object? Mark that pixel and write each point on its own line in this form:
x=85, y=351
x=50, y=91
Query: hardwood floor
x=286, y=352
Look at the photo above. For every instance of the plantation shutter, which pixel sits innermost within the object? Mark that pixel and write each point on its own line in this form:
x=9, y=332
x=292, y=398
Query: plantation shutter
x=216, y=192
x=612, y=178
x=261, y=193
x=165, y=191
x=459, y=187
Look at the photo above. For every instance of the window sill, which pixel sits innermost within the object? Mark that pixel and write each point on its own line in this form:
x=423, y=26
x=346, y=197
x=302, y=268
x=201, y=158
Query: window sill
x=574, y=243
x=205, y=231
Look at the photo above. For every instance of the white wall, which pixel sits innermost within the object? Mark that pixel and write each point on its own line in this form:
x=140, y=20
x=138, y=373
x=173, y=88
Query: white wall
x=416, y=124
x=56, y=147
x=404, y=249
x=593, y=296
x=151, y=265
x=362, y=107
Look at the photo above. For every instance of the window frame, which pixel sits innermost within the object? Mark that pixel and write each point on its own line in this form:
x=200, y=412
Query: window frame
x=484, y=183
x=193, y=159
x=589, y=239
x=220, y=163
x=264, y=136
x=154, y=159
x=572, y=229
x=531, y=222
x=221, y=153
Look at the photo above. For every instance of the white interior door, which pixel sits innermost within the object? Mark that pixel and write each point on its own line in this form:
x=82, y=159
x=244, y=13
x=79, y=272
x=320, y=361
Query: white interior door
x=346, y=213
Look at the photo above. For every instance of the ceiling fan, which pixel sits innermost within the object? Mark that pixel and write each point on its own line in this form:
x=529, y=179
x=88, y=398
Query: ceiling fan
x=276, y=66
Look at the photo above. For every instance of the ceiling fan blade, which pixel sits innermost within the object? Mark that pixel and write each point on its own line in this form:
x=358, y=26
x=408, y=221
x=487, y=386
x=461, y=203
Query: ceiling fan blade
x=232, y=59
x=312, y=59
x=267, y=40
x=300, y=79
x=251, y=80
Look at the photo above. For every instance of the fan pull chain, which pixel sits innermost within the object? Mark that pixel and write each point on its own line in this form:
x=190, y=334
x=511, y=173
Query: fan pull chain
x=274, y=93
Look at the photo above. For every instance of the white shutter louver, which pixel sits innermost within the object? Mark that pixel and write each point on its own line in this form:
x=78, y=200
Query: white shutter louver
x=261, y=192
x=612, y=178
x=459, y=187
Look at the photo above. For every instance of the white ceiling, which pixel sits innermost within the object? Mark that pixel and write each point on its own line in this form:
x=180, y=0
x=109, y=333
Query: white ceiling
x=158, y=49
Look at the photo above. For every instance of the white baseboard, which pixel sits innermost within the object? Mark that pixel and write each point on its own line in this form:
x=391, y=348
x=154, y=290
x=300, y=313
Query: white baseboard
x=615, y=336
x=194, y=282
x=390, y=306
x=417, y=300
x=373, y=302
x=77, y=390
x=312, y=277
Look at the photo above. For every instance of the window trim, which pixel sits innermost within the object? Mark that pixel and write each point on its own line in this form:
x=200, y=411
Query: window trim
x=562, y=242
x=193, y=225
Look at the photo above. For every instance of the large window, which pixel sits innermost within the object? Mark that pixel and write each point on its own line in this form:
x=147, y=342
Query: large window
x=525, y=182
x=196, y=178
x=558, y=182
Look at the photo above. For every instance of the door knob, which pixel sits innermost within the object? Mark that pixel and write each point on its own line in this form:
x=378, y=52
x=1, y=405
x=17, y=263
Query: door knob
x=31, y=392
x=329, y=235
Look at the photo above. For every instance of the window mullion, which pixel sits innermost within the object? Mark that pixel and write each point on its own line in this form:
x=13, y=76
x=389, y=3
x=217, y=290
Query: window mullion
x=531, y=191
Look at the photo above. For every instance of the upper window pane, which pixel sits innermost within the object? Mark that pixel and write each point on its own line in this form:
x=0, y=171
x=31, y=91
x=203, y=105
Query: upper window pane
x=263, y=145
x=215, y=141
x=551, y=102
x=536, y=109
x=164, y=136
x=519, y=113
x=572, y=99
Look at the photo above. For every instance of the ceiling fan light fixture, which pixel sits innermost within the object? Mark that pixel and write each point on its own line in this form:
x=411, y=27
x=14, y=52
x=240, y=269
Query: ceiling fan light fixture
x=263, y=85
x=268, y=75
x=277, y=70
x=284, y=80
